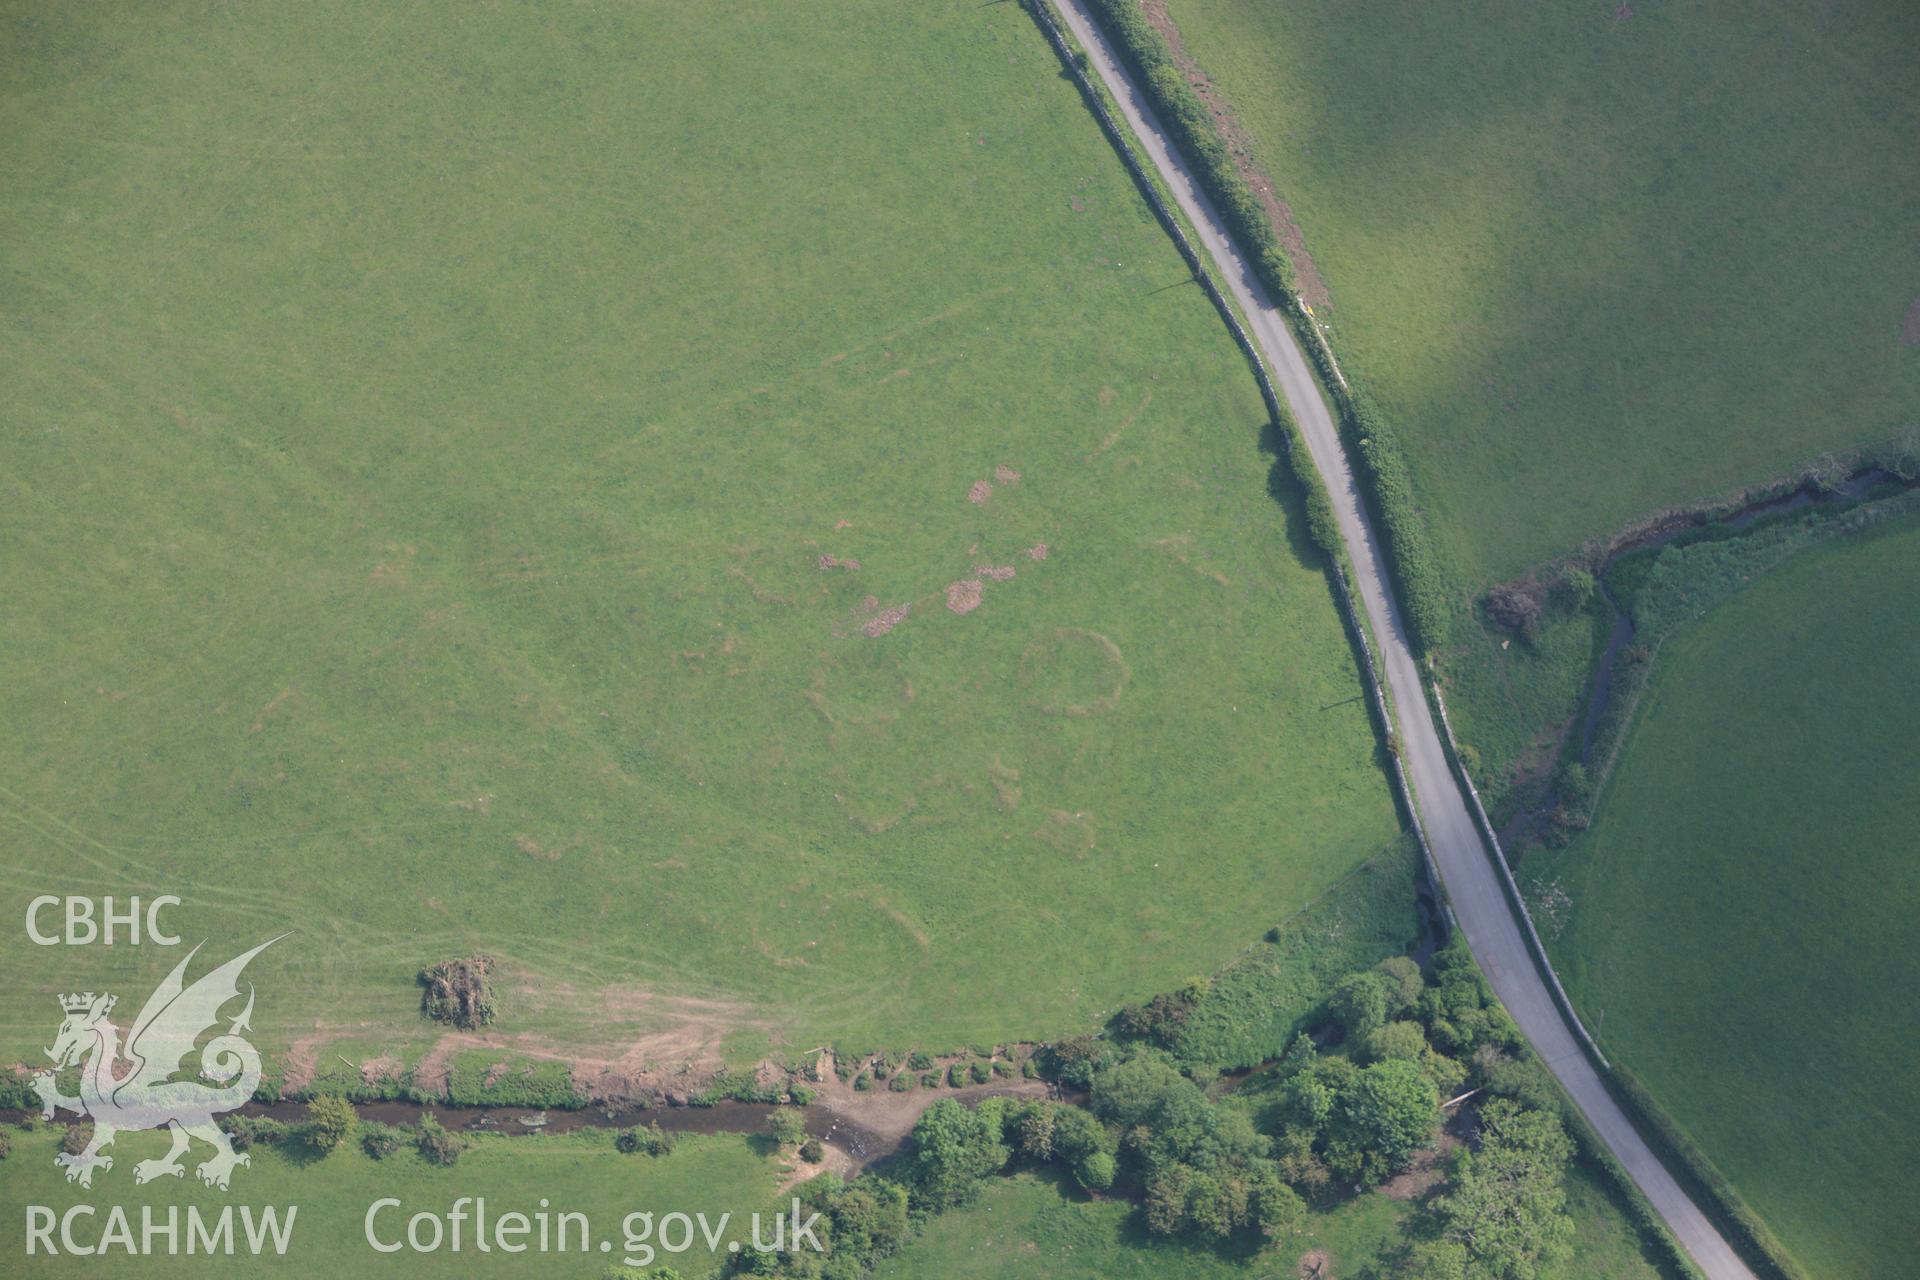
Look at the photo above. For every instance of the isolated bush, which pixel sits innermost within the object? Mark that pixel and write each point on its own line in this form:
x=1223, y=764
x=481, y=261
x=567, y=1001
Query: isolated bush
x=786, y=1126
x=931, y=1080
x=1515, y=607
x=863, y=1081
x=956, y=1076
x=76, y=1138
x=650, y=1140
x=919, y=1060
x=436, y=1143
x=812, y=1151
x=979, y=1072
x=900, y=1083
x=380, y=1140
x=458, y=992
x=330, y=1119
x=6, y=1145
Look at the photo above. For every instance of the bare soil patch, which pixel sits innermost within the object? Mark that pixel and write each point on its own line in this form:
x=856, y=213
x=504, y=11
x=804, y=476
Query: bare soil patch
x=1307, y=280
x=964, y=596
x=885, y=620
x=890, y=1117
x=835, y=562
x=377, y=1071
x=1427, y=1171
x=1316, y=1264
x=980, y=491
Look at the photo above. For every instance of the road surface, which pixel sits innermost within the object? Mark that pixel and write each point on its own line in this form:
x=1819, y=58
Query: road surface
x=1472, y=884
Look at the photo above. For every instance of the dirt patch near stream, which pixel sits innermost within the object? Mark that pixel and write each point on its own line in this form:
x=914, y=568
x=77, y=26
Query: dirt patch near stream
x=641, y=1043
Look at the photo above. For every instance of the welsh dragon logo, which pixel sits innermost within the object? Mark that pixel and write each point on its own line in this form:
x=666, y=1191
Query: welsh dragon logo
x=141, y=1093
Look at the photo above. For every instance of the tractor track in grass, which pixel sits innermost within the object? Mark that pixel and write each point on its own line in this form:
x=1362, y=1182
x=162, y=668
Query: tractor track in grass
x=1486, y=916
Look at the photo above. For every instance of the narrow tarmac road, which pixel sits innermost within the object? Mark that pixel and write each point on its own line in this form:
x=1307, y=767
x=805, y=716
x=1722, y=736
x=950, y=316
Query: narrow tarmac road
x=1471, y=882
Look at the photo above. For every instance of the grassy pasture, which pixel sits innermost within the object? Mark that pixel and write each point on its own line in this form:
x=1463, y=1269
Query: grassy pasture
x=1595, y=260
x=1739, y=912
x=436, y=443
x=578, y=1172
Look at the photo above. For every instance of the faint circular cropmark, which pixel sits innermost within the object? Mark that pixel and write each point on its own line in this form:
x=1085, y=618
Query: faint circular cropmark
x=1074, y=672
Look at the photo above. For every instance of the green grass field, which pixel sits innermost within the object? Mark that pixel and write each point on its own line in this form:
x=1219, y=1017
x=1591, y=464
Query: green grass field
x=1595, y=260
x=436, y=443
x=578, y=1173
x=1738, y=927
x=1031, y=1227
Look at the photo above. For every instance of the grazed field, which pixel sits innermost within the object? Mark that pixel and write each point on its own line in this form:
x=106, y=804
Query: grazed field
x=731, y=512
x=1740, y=912
x=578, y=1173
x=1595, y=259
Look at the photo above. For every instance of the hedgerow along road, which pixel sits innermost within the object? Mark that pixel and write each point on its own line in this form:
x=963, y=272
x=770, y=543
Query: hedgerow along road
x=1485, y=916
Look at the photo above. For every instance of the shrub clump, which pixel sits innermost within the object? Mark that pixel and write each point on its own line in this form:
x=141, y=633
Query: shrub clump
x=458, y=992
x=649, y=1140
x=786, y=1126
x=436, y=1143
x=330, y=1119
x=380, y=1140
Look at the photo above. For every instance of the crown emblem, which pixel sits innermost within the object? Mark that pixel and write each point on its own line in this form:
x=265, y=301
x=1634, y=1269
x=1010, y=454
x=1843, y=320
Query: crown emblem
x=81, y=1003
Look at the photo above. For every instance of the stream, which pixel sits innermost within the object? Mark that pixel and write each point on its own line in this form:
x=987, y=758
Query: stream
x=1518, y=829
